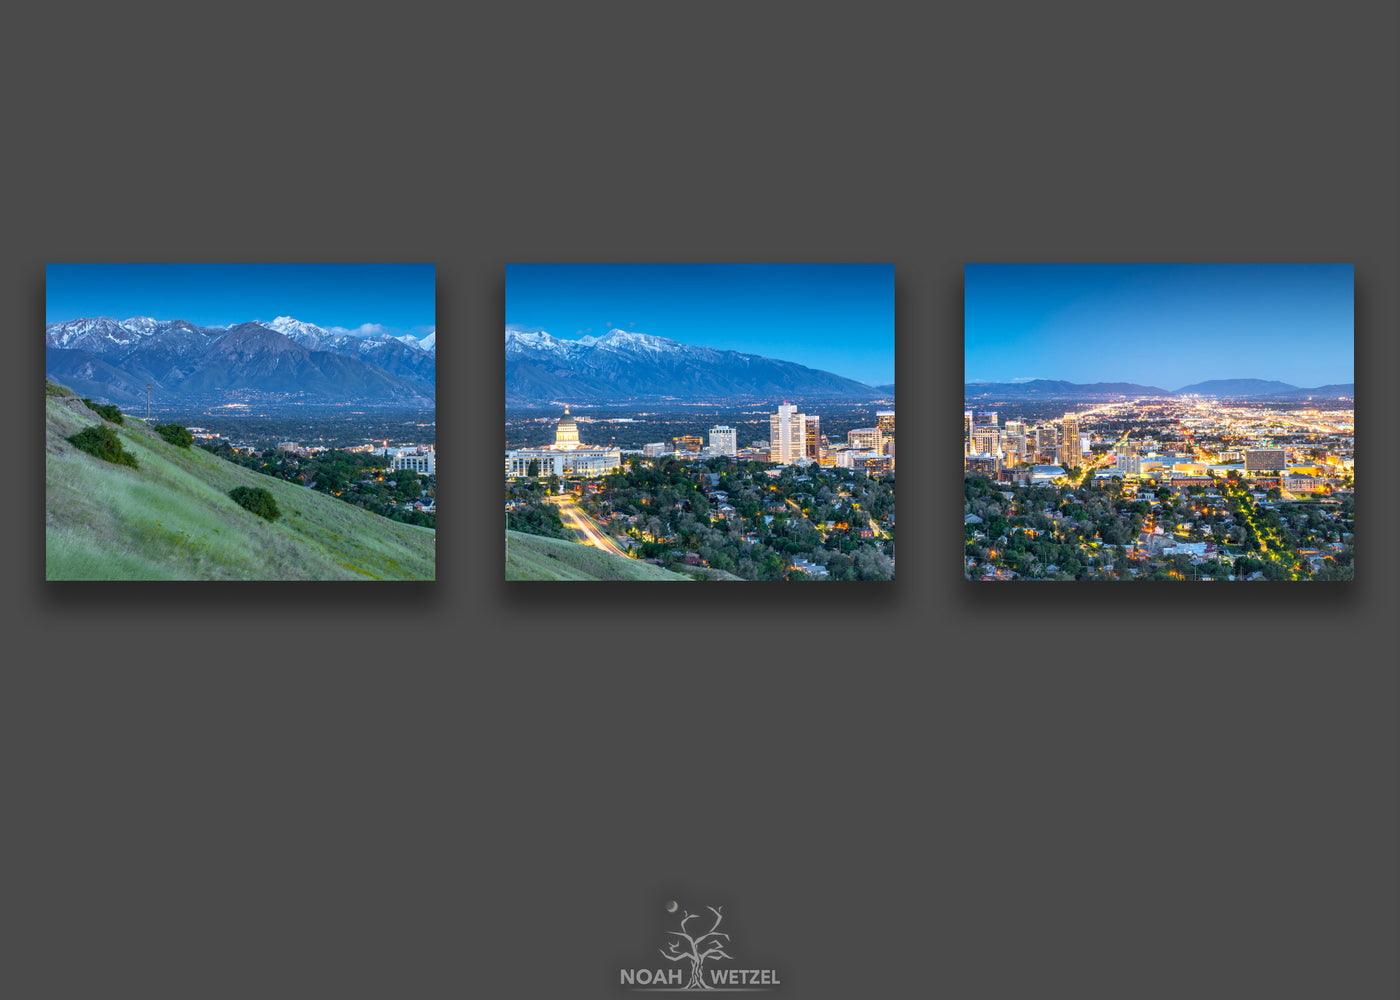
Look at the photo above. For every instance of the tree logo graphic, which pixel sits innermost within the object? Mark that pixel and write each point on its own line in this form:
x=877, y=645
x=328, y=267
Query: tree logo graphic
x=696, y=948
x=696, y=941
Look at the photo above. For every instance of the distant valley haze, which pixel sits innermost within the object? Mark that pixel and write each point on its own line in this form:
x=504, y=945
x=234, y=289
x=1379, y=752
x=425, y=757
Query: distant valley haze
x=1234, y=388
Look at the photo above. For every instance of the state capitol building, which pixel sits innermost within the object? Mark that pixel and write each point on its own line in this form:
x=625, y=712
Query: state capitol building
x=567, y=456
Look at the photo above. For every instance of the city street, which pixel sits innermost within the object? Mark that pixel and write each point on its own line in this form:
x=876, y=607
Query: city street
x=588, y=529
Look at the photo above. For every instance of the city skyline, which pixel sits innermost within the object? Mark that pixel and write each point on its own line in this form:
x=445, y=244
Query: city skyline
x=358, y=299
x=1164, y=325
x=837, y=318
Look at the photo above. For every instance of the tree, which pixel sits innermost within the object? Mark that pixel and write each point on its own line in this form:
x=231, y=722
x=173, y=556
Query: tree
x=407, y=483
x=697, y=949
x=256, y=500
x=102, y=442
x=533, y=470
x=175, y=434
x=104, y=411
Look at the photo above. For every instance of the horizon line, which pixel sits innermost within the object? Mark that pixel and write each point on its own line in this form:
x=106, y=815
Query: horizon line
x=1129, y=381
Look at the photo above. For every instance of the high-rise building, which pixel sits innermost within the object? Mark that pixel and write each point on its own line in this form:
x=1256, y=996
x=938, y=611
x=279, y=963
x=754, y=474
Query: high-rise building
x=967, y=432
x=723, y=440
x=787, y=435
x=812, y=431
x=885, y=419
x=1013, y=442
x=986, y=439
x=981, y=465
x=866, y=439
x=1070, y=455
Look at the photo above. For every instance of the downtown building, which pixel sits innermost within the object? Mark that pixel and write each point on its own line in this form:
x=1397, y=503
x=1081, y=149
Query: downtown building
x=723, y=440
x=982, y=465
x=986, y=439
x=787, y=435
x=567, y=456
x=1071, y=454
x=866, y=439
x=812, y=431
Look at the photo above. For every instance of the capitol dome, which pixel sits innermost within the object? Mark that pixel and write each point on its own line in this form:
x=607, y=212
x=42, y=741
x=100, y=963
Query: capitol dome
x=566, y=436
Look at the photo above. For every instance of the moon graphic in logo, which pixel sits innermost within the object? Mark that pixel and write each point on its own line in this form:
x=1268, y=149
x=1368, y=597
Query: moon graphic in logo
x=672, y=906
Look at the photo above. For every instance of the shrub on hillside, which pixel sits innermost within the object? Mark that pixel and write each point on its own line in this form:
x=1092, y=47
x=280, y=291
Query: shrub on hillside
x=104, y=411
x=256, y=500
x=175, y=434
x=54, y=389
x=102, y=442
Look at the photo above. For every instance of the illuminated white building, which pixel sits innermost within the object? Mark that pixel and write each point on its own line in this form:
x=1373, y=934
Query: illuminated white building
x=567, y=456
x=424, y=462
x=866, y=438
x=723, y=440
x=787, y=435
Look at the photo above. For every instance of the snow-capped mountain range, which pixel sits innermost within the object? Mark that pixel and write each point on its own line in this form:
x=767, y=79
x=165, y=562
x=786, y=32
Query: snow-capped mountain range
x=114, y=359
x=321, y=339
x=622, y=366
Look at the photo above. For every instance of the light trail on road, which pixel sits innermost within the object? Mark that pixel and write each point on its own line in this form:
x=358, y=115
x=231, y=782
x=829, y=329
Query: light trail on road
x=585, y=526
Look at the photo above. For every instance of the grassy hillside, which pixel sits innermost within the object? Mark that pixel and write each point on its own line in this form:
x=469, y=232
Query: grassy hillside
x=172, y=519
x=534, y=557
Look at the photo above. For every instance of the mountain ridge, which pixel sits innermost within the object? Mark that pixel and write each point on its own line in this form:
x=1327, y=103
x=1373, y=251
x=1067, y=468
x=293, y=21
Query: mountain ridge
x=113, y=359
x=625, y=366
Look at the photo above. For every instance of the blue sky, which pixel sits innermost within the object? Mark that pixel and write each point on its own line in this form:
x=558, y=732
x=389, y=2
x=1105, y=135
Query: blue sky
x=835, y=317
x=1166, y=325
x=399, y=298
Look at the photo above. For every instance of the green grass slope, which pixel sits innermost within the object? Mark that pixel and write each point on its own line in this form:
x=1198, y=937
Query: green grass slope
x=534, y=557
x=172, y=519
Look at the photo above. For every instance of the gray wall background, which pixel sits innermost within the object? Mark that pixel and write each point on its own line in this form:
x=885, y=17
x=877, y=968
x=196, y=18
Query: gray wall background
x=922, y=789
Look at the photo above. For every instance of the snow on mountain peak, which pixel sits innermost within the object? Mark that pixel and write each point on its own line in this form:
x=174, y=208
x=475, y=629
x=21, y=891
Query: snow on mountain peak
x=613, y=340
x=287, y=325
x=638, y=341
x=425, y=343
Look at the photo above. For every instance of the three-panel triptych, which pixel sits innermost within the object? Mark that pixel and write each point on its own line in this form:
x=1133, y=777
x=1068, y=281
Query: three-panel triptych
x=689, y=422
